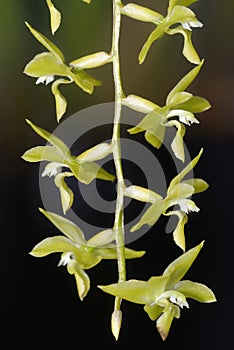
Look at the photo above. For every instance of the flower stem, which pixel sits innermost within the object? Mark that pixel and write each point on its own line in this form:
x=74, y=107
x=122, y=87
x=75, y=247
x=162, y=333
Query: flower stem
x=119, y=214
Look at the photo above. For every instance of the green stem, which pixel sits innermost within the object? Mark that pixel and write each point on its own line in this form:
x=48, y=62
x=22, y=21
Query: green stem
x=119, y=215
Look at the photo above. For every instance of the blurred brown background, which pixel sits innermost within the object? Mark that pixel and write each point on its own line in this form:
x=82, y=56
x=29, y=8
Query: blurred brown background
x=35, y=299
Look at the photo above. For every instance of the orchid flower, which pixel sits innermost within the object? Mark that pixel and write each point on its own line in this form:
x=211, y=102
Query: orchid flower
x=164, y=296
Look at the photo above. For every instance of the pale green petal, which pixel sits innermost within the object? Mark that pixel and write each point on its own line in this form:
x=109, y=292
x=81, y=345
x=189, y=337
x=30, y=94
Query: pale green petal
x=156, y=34
x=39, y=153
x=102, y=238
x=184, y=172
x=87, y=172
x=141, y=194
x=180, y=97
x=195, y=105
x=133, y=290
x=87, y=257
x=141, y=13
x=177, y=144
x=60, y=101
x=196, y=291
x=87, y=1
x=180, y=14
x=184, y=82
x=97, y=152
x=178, y=233
x=178, y=268
x=52, y=139
x=85, y=81
x=173, y=3
x=180, y=191
x=158, y=283
x=92, y=61
x=152, y=124
x=110, y=253
x=66, y=226
x=82, y=279
x=66, y=193
x=199, y=185
x=45, y=64
x=55, y=16
x=165, y=320
x=46, y=43
x=155, y=136
x=188, y=51
x=153, y=311
x=56, y=244
x=139, y=104
x=151, y=215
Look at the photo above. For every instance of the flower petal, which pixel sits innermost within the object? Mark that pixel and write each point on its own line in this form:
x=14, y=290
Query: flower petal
x=177, y=144
x=94, y=60
x=141, y=13
x=177, y=179
x=178, y=268
x=151, y=215
x=178, y=233
x=156, y=34
x=82, y=279
x=52, y=139
x=97, y=152
x=133, y=290
x=56, y=244
x=66, y=193
x=102, y=238
x=46, y=43
x=60, y=101
x=184, y=82
x=55, y=16
x=188, y=51
x=198, y=185
x=67, y=227
x=39, y=153
x=45, y=64
x=196, y=291
x=165, y=320
x=141, y=194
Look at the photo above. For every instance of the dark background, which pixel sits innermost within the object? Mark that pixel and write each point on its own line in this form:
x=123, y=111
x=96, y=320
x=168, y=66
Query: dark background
x=39, y=305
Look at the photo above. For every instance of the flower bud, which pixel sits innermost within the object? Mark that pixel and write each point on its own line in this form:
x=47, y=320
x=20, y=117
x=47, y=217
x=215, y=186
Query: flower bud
x=116, y=321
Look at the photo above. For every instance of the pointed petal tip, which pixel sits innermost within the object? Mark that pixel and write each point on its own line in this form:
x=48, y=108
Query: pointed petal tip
x=162, y=333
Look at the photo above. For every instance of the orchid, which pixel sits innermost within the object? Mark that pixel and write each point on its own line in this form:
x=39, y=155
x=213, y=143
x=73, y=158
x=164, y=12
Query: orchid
x=164, y=296
x=179, y=20
x=47, y=66
x=179, y=104
x=83, y=167
x=178, y=193
x=77, y=253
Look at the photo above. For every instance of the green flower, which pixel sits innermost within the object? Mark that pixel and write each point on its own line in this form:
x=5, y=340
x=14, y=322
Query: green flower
x=47, y=66
x=178, y=112
x=164, y=296
x=178, y=193
x=77, y=253
x=83, y=167
x=179, y=20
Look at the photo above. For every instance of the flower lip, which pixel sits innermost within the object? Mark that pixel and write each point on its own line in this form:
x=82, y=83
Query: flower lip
x=65, y=258
x=45, y=79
